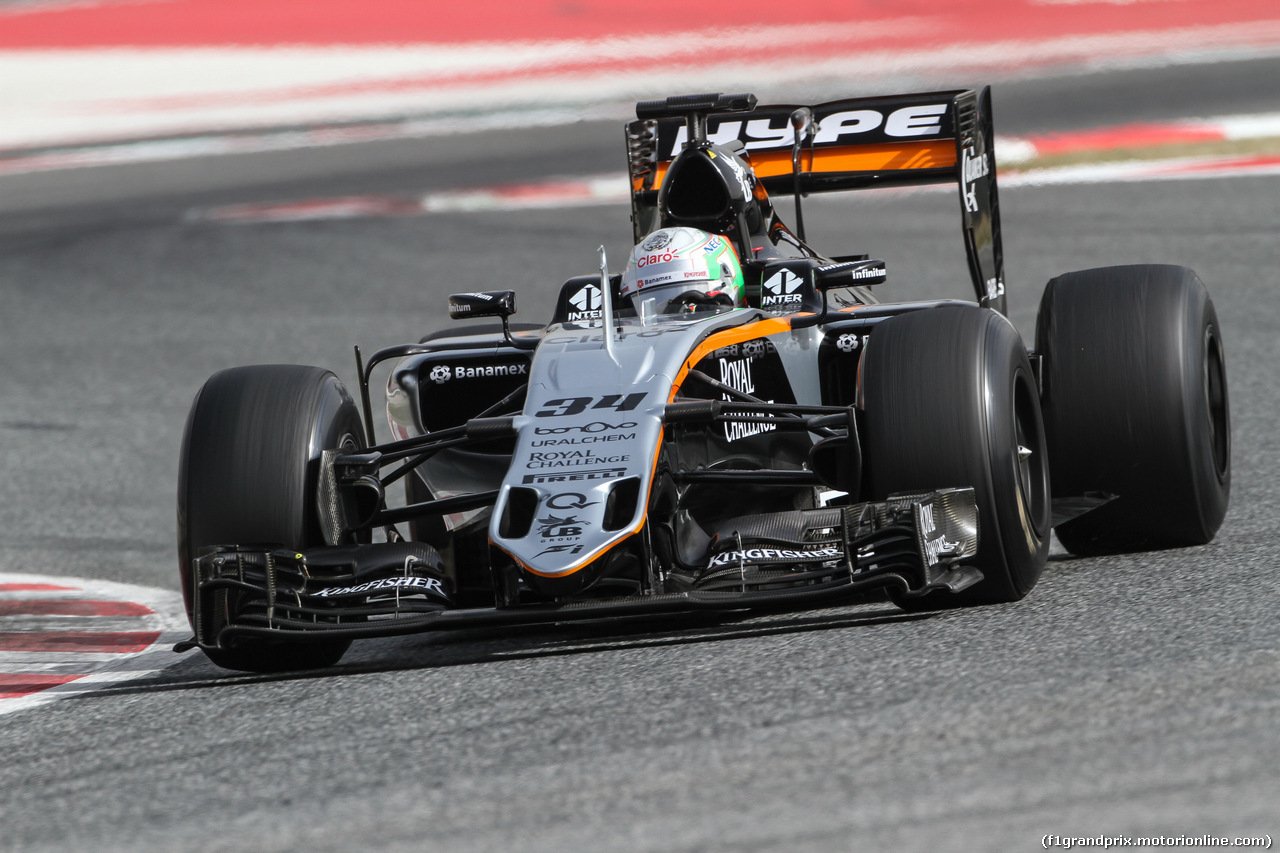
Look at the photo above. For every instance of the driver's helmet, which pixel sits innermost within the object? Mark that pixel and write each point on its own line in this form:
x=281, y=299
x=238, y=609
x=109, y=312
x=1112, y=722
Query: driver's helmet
x=684, y=269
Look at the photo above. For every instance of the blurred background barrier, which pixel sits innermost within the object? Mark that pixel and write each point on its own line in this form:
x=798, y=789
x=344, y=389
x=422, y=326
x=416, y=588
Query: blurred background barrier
x=77, y=72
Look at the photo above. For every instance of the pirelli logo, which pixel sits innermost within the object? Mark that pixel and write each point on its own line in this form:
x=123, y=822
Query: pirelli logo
x=575, y=476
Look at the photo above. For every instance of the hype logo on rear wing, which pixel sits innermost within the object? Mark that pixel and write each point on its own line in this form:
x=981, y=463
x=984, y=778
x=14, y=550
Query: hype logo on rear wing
x=850, y=144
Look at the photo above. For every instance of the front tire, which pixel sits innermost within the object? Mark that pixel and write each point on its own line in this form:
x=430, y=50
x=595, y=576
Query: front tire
x=1135, y=390
x=247, y=476
x=951, y=401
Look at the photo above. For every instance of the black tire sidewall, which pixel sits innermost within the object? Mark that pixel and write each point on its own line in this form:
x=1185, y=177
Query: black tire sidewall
x=939, y=388
x=248, y=475
x=1125, y=373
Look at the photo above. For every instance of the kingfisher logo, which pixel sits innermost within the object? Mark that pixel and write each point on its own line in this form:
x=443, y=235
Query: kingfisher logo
x=774, y=555
x=589, y=304
x=411, y=584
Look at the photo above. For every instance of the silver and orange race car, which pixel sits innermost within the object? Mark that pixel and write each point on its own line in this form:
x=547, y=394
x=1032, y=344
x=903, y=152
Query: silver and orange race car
x=805, y=446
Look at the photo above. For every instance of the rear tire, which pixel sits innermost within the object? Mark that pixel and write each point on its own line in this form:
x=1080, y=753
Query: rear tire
x=1135, y=396
x=950, y=398
x=247, y=476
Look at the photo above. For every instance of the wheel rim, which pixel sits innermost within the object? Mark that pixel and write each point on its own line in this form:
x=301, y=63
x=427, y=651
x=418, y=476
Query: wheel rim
x=1029, y=458
x=1215, y=390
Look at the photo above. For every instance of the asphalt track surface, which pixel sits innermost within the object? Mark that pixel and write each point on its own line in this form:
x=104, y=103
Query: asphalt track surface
x=1133, y=695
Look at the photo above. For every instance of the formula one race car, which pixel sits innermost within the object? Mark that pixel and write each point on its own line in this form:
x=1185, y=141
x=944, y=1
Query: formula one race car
x=734, y=422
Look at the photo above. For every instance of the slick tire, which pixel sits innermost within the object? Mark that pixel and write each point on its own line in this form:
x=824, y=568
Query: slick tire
x=950, y=399
x=1135, y=402
x=248, y=475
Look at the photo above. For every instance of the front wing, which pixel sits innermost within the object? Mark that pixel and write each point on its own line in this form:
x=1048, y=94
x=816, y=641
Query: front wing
x=913, y=544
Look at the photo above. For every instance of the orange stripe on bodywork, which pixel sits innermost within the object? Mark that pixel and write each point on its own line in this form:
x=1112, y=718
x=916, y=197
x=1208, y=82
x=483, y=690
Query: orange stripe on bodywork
x=883, y=157
x=647, y=182
x=758, y=329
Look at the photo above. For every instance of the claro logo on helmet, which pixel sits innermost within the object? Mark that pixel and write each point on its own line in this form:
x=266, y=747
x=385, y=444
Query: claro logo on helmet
x=662, y=258
x=918, y=120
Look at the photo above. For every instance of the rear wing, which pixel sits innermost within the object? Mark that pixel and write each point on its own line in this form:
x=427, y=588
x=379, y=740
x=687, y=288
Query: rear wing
x=851, y=144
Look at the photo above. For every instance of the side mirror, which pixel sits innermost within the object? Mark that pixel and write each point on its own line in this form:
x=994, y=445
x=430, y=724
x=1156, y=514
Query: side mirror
x=497, y=303
x=841, y=274
x=494, y=303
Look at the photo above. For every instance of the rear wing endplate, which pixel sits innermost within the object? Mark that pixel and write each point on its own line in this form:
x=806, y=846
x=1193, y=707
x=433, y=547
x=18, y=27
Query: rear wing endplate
x=851, y=144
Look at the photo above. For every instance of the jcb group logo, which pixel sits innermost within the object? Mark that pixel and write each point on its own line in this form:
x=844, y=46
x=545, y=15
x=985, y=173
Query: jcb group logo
x=560, y=527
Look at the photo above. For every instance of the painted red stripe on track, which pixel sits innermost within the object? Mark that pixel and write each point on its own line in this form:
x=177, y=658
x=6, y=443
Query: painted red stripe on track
x=34, y=587
x=1231, y=164
x=188, y=23
x=77, y=641
x=73, y=608
x=1125, y=136
x=14, y=685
